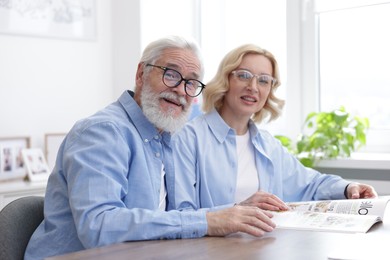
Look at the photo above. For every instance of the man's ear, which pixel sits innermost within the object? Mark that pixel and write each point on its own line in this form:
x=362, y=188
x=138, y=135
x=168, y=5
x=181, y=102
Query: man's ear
x=139, y=80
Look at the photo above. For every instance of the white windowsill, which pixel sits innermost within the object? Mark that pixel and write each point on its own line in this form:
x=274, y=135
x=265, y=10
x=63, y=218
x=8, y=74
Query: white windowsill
x=375, y=161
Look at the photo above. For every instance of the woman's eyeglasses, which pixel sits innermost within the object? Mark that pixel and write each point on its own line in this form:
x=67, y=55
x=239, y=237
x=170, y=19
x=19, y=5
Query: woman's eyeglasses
x=263, y=80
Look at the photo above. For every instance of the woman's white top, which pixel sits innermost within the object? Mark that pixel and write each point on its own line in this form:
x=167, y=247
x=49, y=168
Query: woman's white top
x=247, y=177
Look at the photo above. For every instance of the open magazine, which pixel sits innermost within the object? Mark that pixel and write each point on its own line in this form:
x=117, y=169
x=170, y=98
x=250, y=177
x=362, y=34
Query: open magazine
x=352, y=216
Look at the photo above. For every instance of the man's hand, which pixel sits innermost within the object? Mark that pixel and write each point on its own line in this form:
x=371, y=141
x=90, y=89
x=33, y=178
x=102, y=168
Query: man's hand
x=360, y=191
x=250, y=220
x=266, y=201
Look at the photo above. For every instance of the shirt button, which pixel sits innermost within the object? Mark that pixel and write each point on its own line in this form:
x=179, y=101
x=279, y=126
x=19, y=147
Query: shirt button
x=156, y=137
x=157, y=154
x=146, y=140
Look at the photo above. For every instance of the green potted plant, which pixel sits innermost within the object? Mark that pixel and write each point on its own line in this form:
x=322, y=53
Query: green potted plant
x=328, y=135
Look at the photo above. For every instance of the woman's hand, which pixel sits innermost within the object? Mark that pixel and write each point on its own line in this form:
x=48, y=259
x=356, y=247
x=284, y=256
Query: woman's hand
x=360, y=191
x=266, y=201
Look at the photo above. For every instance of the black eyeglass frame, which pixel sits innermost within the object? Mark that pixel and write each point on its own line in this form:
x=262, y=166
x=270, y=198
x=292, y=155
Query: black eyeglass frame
x=201, y=86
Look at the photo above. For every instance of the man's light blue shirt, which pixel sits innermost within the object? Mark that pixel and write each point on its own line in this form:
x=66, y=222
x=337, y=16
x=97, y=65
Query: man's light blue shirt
x=205, y=153
x=105, y=186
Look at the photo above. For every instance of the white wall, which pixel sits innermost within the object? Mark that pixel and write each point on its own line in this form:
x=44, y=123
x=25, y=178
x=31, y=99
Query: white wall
x=126, y=46
x=46, y=84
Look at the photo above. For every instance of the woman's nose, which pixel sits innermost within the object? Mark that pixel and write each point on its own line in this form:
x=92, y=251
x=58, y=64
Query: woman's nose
x=253, y=85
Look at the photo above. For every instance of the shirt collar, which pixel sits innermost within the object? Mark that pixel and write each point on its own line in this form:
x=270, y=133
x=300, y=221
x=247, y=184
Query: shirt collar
x=218, y=126
x=145, y=128
x=221, y=130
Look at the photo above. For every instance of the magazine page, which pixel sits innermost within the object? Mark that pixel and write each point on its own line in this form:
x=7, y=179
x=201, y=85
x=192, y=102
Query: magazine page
x=374, y=207
x=308, y=220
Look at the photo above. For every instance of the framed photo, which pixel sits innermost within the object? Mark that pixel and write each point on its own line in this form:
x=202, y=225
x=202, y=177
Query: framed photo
x=71, y=19
x=37, y=168
x=52, y=144
x=11, y=160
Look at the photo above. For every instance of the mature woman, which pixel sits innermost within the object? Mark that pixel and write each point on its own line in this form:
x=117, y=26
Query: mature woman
x=223, y=158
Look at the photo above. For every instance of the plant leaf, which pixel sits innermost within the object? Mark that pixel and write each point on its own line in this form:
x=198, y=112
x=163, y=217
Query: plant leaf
x=333, y=134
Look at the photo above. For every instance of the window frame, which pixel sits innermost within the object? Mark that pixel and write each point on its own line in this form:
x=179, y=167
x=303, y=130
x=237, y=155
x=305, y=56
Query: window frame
x=378, y=141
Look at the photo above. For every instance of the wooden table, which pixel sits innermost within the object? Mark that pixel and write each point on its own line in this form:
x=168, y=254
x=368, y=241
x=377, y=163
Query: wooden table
x=279, y=244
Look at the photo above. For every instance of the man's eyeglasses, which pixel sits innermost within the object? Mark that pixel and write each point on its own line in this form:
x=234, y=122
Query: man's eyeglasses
x=262, y=80
x=172, y=78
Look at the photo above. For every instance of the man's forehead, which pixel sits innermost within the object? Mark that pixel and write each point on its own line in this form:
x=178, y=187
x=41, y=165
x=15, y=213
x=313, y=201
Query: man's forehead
x=179, y=56
x=183, y=60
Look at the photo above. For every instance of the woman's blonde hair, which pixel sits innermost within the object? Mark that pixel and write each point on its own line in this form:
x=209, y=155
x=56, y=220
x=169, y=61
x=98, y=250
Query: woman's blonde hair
x=214, y=93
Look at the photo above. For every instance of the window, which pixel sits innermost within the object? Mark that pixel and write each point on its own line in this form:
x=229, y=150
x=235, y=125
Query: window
x=351, y=58
x=219, y=26
x=330, y=52
x=225, y=25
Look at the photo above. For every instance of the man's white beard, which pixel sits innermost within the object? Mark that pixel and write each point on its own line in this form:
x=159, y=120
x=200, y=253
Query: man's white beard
x=150, y=102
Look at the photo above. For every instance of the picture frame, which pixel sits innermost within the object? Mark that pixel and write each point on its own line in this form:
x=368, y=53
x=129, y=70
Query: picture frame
x=12, y=165
x=36, y=165
x=52, y=145
x=67, y=19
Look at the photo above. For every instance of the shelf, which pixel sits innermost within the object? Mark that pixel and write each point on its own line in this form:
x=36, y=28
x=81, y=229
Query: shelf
x=371, y=161
x=12, y=190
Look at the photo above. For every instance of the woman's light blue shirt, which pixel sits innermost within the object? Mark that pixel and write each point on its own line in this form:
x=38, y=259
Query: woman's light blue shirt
x=105, y=186
x=205, y=154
